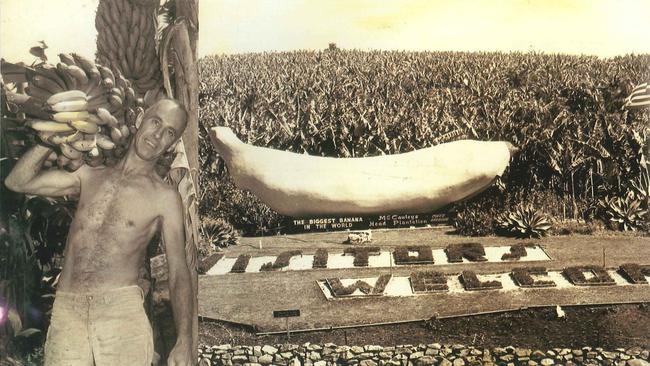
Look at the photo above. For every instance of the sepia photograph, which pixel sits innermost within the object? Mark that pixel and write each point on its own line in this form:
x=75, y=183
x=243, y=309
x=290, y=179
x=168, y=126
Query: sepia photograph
x=100, y=225
x=325, y=182
x=424, y=182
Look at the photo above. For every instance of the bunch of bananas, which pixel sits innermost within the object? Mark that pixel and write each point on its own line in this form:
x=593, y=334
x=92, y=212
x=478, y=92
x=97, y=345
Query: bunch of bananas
x=126, y=41
x=92, y=111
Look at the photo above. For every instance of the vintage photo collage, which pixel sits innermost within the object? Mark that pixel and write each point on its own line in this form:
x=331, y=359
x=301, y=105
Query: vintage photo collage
x=326, y=182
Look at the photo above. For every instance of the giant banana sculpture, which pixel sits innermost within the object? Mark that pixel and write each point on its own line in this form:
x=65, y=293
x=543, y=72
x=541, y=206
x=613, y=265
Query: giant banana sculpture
x=415, y=182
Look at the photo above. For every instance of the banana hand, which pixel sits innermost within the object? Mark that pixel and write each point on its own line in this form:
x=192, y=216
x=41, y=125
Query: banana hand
x=107, y=117
x=58, y=139
x=70, y=152
x=66, y=96
x=70, y=116
x=85, y=126
x=48, y=126
x=70, y=106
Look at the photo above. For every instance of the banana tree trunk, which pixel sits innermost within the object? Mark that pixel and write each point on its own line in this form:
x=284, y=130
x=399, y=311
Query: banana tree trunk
x=182, y=55
x=188, y=10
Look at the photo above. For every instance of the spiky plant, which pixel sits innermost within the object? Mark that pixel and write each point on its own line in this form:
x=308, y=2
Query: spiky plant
x=523, y=222
x=641, y=185
x=219, y=233
x=624, y=213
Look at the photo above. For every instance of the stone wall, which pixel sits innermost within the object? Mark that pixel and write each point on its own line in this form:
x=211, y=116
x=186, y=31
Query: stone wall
x=406, y=355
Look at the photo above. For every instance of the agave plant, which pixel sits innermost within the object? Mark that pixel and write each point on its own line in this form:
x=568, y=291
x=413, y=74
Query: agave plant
x=641, y=185
x=523, y=222
x=219, y=233
x=624, y=213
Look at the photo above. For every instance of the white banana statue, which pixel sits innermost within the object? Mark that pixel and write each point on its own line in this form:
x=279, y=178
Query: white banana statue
x=415, y=182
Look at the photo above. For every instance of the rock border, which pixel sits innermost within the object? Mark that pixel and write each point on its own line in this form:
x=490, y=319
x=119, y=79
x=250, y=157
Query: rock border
x=330, y=354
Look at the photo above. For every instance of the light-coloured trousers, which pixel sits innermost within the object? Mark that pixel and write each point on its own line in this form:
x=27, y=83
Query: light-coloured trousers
x=105, y=328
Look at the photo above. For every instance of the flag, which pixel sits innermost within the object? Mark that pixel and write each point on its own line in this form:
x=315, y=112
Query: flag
x=639, y=98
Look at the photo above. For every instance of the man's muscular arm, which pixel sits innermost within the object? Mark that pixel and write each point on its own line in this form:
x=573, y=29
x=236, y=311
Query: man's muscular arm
x=180, y=288
x=28, y=177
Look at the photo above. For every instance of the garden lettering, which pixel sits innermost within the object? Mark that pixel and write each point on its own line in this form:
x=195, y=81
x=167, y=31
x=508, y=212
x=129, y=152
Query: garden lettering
x=361, y=257
x=362, y=254
x=423, y=255
x=281, y=260
x=428, y=281
x=474, y=252
x=364, y=287
x=423, y=282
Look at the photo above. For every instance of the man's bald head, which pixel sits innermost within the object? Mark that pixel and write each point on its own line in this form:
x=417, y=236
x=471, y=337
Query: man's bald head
x=160, y=128
x=170, y=109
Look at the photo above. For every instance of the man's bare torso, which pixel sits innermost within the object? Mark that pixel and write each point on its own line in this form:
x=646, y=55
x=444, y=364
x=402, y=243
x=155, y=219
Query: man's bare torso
x=116, y=217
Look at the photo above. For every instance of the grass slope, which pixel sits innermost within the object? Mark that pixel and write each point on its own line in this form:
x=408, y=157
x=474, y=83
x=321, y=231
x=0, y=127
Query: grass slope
x=238, y=298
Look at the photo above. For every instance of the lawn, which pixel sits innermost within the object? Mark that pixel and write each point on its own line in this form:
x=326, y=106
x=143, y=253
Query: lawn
x=250, y=298
x=609, y=326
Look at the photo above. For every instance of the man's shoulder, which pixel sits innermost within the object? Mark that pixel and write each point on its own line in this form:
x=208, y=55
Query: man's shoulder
x=86, y=171
x=160, y=186
x=167, y=195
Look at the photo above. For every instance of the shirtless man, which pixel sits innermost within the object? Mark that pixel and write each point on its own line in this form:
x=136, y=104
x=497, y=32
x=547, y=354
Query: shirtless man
x=98, y=317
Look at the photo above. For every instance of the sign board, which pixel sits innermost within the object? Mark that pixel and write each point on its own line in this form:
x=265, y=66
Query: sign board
x=365, y=222
x=286, y=313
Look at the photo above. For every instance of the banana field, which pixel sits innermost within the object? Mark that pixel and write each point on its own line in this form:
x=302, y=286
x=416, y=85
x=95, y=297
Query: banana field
x=581, y=156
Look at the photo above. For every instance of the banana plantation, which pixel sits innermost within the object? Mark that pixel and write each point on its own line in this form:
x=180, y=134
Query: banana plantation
x=582, y=158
